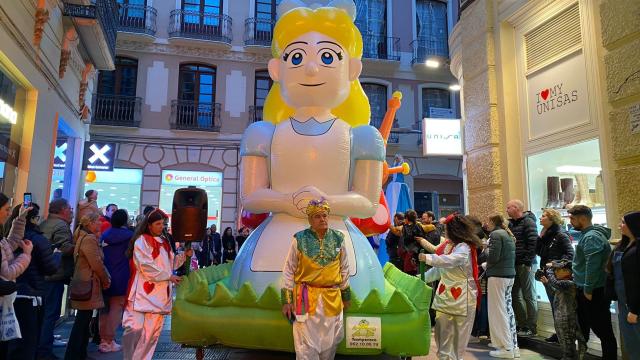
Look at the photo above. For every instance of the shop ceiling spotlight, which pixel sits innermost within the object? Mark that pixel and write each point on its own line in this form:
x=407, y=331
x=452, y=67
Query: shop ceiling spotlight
x=432, y=63
x=454, y=87
x=573, y=169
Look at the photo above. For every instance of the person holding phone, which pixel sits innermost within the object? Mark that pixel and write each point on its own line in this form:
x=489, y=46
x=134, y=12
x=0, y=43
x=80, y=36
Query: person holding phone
x=13, y=266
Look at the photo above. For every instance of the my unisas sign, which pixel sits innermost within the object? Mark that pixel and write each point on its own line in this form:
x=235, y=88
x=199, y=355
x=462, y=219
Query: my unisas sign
x=98, y=156
x=554, y=98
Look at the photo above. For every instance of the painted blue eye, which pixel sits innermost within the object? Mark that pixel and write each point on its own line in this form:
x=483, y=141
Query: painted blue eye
x=327, y=58
x=296, y=59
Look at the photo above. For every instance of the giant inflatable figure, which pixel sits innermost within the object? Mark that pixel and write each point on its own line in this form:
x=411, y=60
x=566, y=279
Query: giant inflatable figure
x=315, y=143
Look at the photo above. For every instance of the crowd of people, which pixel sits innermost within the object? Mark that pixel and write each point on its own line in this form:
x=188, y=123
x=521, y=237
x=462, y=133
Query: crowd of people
x=119, y=272
x=483, y=274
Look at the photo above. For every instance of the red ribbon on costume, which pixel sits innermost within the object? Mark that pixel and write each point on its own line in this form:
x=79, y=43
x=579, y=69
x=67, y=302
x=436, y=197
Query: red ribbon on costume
x=155, y=252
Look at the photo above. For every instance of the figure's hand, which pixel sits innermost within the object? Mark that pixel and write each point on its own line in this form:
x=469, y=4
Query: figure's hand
x=632, y=318
x=27, y=246
x=588, y=296
x=175, y=279
x=287, y=311
x=346, y=304
x=302, y=197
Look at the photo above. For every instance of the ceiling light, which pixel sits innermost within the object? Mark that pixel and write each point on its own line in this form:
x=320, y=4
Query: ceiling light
x=431, y=63
x=454, y=87
x=572, y=169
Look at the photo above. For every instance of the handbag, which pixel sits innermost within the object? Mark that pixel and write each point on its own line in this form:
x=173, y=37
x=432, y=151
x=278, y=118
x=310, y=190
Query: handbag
x=80, y=290
x=9, y=327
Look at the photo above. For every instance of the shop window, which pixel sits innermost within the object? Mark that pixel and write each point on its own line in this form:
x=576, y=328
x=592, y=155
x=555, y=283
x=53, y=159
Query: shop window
x=211, y=182
x=377, y=95
x=561, y=177
x=262, y=86
x=120, y=186
x=431, y=27
x=12, y=102
x=196, y=95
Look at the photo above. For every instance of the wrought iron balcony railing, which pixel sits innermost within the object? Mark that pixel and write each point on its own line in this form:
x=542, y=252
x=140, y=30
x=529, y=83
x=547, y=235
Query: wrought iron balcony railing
x=381, y=47
x=201, y=26
x=424, y=48
x=255, y=113
x=194, y=115
x=258, y=32
x=116, y=110
x=137, y=19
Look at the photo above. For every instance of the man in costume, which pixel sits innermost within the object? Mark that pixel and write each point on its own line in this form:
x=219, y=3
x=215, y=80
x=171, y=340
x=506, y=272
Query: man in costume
x=316, y=286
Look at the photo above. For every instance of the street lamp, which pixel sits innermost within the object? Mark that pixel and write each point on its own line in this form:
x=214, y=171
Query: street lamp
x=432, y=63
x=454, y=87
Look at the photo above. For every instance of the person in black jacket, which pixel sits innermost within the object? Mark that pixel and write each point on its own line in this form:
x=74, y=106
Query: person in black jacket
x=523, y=226
x=229, y=245
x=393, y=240
x=31, y=288
x=624, y=265
x=553, y=244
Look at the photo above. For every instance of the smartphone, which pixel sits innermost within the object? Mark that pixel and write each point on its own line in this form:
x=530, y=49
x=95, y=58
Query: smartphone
x=26, y=200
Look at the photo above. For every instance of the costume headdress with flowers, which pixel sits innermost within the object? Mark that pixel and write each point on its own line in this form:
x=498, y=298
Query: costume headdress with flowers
x=316, y=206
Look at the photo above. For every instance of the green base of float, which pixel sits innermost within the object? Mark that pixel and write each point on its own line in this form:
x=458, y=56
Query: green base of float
x=206, y=313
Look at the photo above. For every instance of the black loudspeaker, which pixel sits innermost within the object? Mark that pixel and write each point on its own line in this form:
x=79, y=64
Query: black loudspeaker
x=189, y=214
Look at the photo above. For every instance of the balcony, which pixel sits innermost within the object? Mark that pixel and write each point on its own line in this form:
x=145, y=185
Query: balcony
x=258, y=32
x=255, y=113
x=97, y=28
x=200, y=26
x=137, y=19
x=193, y=115
x=116, y=110
x=380, y=47
x=428, y=47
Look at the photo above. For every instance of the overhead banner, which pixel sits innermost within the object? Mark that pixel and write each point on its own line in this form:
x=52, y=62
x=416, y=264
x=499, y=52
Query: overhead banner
x=98, y=156
x=441, y=137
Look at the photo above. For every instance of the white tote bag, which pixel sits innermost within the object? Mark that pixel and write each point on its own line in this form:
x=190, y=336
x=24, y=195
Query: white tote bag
x=9, y=327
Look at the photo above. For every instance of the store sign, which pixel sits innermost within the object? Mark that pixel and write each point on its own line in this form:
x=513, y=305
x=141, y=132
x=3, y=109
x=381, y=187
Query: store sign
x=441, y=137
x=363, y=332
x=98, y=156
x=7, y=112
x=440, y=113
x=60, y=155
x=191, y=178
x=557, y=97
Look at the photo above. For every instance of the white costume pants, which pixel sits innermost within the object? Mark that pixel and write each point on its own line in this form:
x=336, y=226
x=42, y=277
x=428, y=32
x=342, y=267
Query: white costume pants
x=318, y=337
x=452, y=334
x=141, y=334
x=502, y=320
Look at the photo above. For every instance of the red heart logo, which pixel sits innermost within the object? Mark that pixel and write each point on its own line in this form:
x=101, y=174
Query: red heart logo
x=148, y=286
x=456, y=292
x=545, y=94
x=441, y=289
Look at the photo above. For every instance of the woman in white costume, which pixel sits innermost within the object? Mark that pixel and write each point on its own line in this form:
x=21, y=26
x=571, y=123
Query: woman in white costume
x=314, y=143
x=149, y=295
x=455, y=265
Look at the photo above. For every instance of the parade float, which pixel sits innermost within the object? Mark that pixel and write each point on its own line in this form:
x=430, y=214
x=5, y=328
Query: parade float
x=315, y=142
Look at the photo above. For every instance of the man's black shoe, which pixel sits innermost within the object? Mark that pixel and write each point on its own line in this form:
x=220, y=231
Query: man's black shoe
x=552, y=339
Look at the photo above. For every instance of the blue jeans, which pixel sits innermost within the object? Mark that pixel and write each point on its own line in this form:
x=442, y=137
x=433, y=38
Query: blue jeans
x=52, y=307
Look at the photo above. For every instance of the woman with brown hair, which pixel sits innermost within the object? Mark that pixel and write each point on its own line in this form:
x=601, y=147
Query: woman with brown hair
x=501, y=271
x=149, y=295
x=89, y=267
x=455, y=265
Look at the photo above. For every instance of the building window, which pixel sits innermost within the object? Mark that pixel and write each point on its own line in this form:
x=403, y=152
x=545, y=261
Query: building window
x=371, y=20
x=203, y=6
x=116, y=102
x=200, y=15
x=431, y=26
x=196, y=95
x=377, y=95
x=133, y=9
x=434, y=98
x=262, y=86
x=266, y=9
x=121, y=81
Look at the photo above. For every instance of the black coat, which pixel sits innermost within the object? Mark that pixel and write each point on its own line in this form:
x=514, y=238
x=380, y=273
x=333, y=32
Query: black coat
x=526, y=233
x=43, y=263
x=555, y=244
x=631, y=275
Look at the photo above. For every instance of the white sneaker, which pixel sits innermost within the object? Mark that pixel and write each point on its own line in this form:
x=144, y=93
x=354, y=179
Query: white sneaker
x=516, y=352
x=115, y=347
x=502, y=353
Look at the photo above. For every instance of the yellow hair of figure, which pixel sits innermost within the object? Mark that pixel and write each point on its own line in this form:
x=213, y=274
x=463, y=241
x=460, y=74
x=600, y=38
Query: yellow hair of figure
x=332, y=22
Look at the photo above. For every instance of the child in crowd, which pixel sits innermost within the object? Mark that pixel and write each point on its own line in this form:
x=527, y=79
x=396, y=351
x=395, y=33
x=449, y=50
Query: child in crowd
x=559, y=277
x=149, y=295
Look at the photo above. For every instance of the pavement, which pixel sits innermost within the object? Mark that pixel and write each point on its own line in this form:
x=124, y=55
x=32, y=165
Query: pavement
x=167, y=349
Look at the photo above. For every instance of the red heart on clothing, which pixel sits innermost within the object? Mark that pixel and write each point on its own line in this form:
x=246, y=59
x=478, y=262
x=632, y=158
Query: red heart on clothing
x=545, y=94
x=441, y=289
x=456, y=292
x=148, y=286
